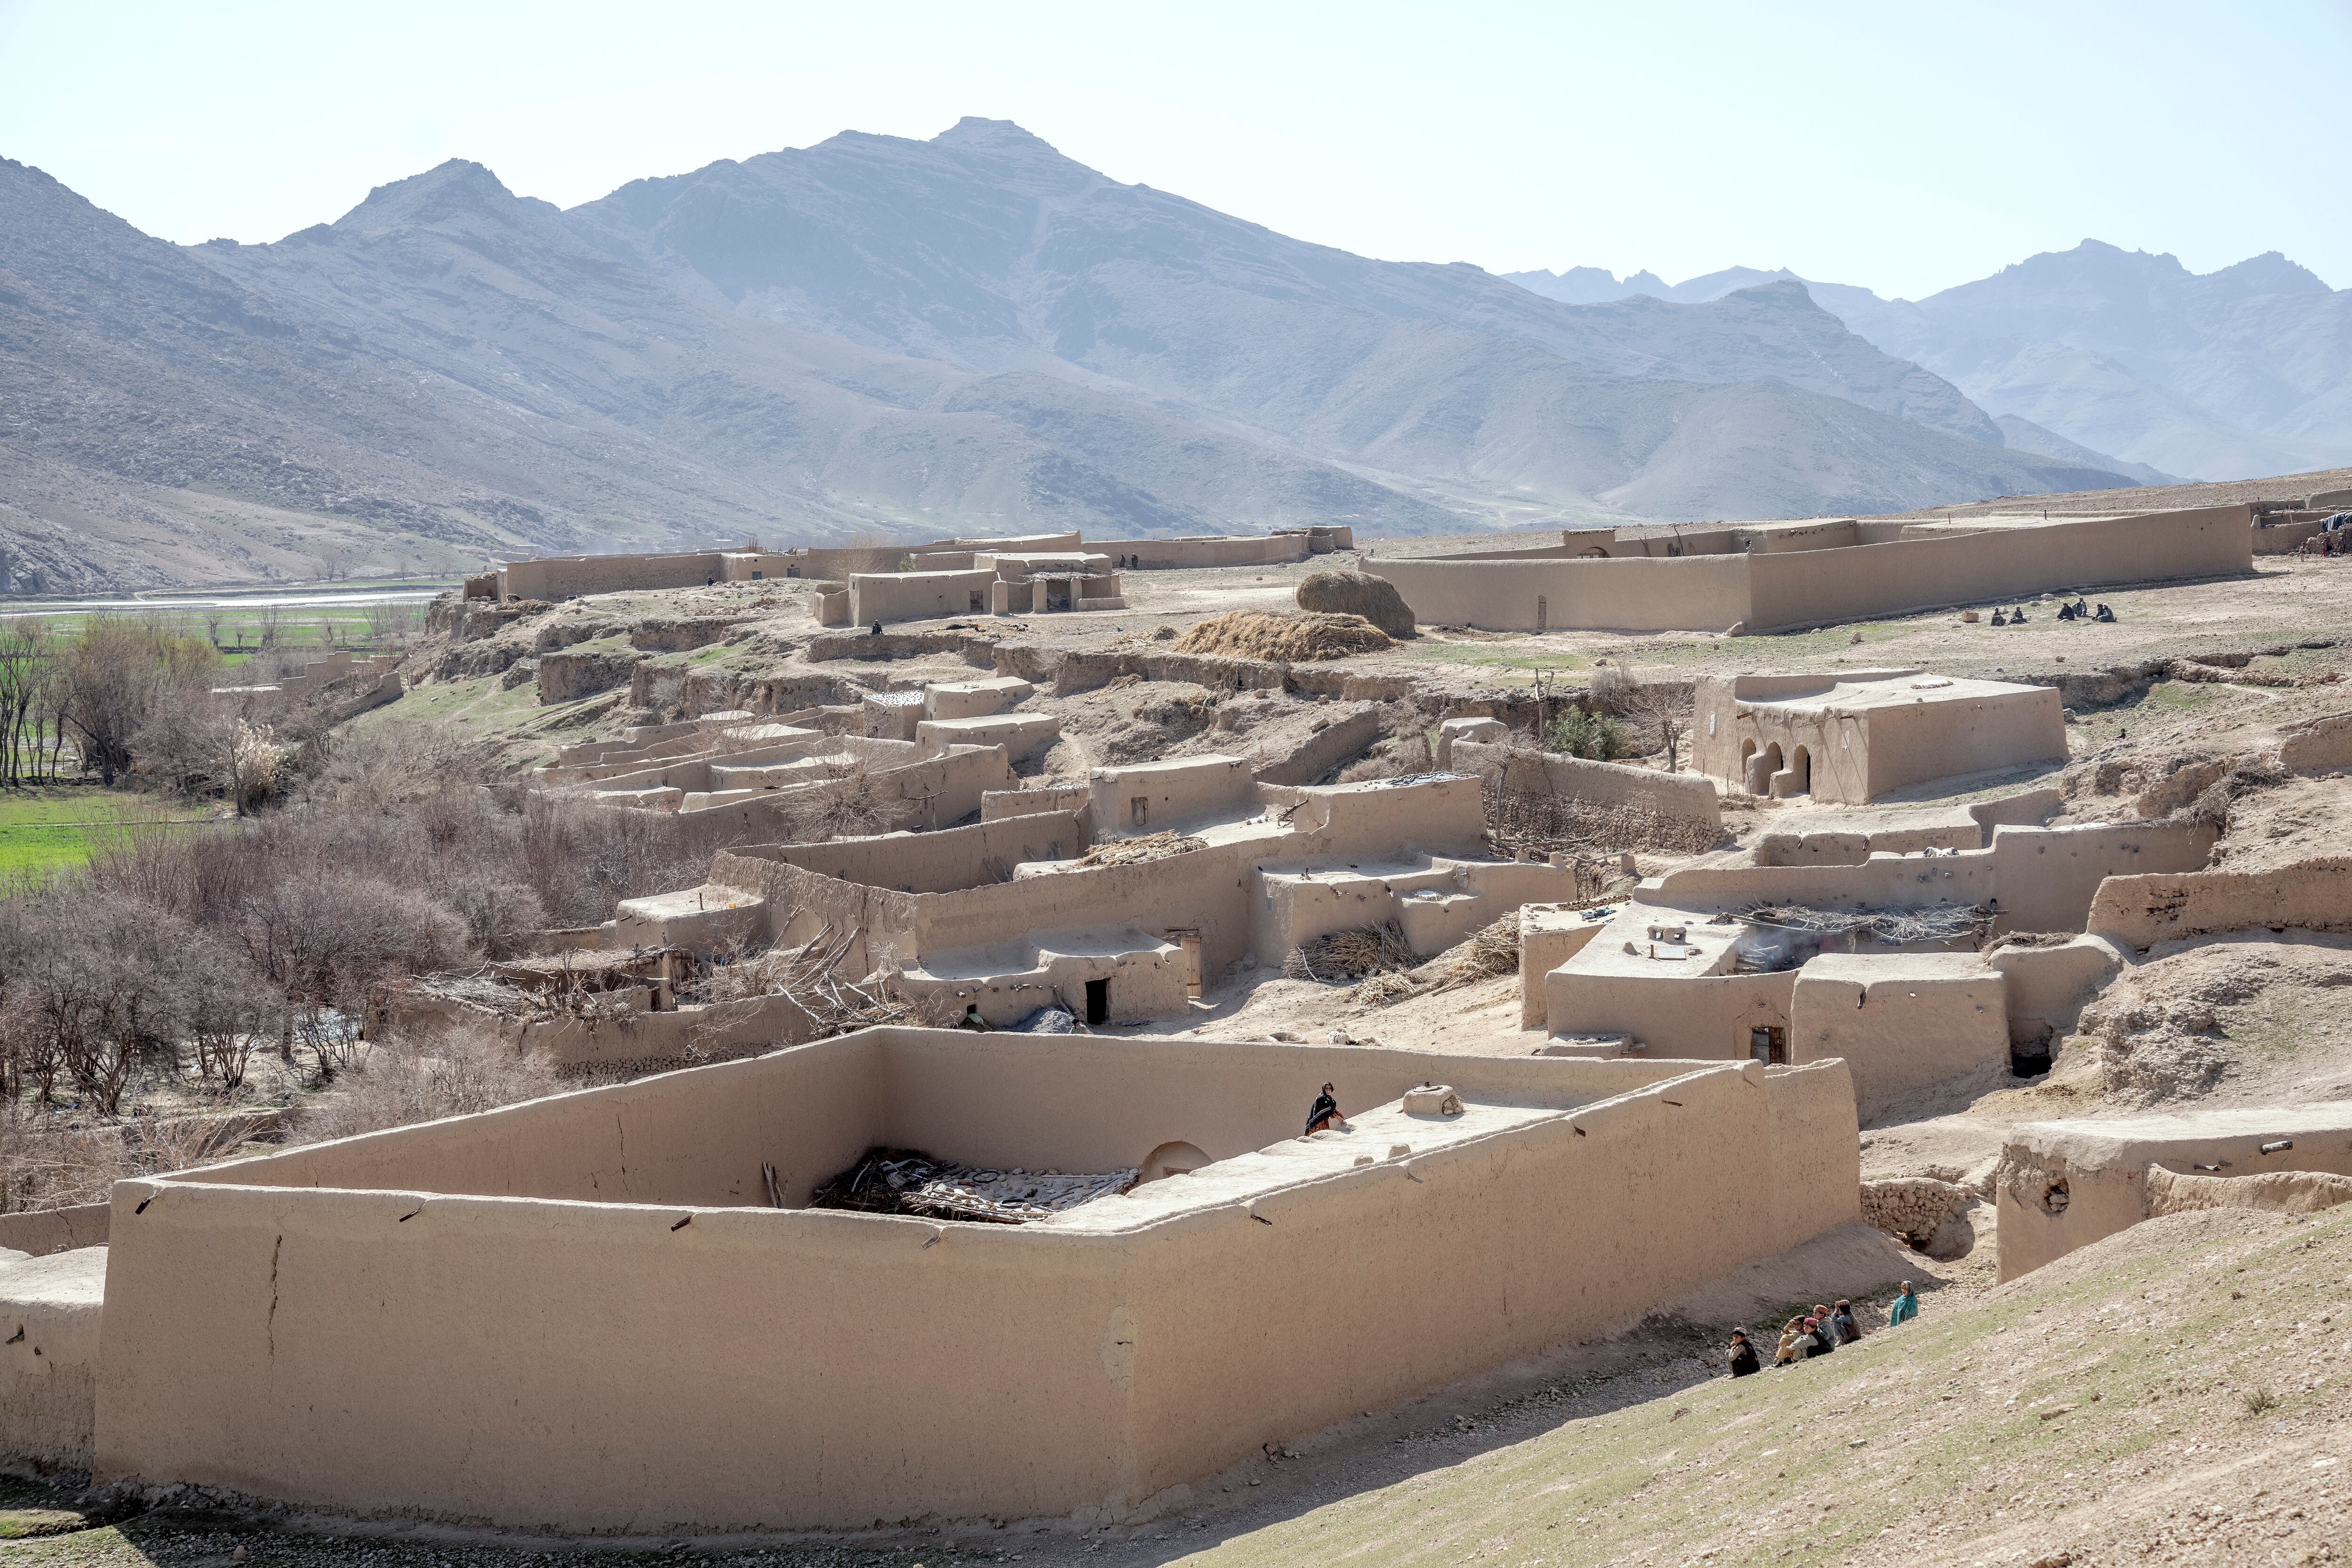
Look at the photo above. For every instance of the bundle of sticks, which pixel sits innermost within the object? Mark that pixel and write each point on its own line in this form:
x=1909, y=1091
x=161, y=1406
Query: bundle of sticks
x=810, y=975
x=909, y=1182
x=1943, y=922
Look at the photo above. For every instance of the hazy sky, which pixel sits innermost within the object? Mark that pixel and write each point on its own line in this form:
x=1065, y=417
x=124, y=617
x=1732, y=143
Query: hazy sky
x=1906, y=148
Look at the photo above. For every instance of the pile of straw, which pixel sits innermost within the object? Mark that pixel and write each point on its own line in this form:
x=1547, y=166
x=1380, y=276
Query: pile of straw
x=1298, y=639
x=1494, y=950
x=1342, y=957
x=1141, y=851
x=1380, y=989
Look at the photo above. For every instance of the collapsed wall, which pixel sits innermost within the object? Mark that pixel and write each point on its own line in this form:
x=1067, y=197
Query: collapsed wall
x=2064, y=1184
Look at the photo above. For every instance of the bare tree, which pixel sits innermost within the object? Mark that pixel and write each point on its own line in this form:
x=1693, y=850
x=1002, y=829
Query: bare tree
x=112, y=674
x=26, y=666
x=1665, y=716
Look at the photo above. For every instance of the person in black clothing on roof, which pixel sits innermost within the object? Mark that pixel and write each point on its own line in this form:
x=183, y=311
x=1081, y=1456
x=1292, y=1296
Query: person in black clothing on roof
x=1324, y=1114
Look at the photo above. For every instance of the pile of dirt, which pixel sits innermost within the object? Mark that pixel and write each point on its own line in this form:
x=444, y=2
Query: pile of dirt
x=1298, y=639
x=1375, y=599
x=2250, y=1015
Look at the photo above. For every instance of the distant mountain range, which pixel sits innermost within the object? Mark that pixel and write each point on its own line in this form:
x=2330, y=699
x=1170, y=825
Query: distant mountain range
x=874, y=334
x=2223, y=375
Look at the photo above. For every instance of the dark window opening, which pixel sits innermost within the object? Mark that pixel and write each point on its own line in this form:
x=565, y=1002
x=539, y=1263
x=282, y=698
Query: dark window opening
x=1769, y=1046
x=1098, y=1001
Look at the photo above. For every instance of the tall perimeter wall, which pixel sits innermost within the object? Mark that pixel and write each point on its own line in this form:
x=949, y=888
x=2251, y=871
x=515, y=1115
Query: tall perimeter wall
x=1770, y=590
x=579, y=1313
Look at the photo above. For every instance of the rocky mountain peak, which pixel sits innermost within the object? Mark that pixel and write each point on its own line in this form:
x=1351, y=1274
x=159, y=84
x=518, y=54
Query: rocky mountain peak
x=455, y=192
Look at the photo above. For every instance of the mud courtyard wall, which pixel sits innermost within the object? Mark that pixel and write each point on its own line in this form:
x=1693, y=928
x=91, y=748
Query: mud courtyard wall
x=319, y=1344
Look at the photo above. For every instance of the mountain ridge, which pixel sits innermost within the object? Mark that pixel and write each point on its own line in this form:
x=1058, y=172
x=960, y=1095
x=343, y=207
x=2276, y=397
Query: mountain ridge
x=2243, y=370
x=878, y=335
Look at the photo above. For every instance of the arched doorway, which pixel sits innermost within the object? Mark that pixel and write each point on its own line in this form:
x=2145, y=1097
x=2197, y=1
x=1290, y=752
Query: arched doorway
x=1171, y=1159
x=1801, y=763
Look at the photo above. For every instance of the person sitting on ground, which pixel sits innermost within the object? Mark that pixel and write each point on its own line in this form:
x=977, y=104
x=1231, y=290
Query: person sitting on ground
x=1809, y=1339
x=1906, y=1307
x=877, y=630
x=1324, y=1114
x=1842, y=1319
x=2081, y=610
x=1790, y=1334
x=1998, y=618
x=2103, y=613
x=1823, y=1331
x=1742, y=1354
x=2065, y=612
x=2017, y=616
x=973, y=1020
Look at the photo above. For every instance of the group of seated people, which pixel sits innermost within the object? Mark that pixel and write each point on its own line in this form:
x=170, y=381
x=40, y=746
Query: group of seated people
x=2080, y=610
x=1817, y=1333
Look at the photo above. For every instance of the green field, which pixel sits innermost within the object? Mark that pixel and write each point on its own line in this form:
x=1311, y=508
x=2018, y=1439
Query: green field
x=240, y=632
x=51, y=827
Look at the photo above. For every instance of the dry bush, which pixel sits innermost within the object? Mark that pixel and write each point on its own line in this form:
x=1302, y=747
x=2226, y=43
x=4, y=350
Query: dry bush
x=387, y=765
x=845, y=803
x=1296, y=639
x=427, y=1074
x=1401, y=756
x=45, y=1164
x=582, y=859
x=1613, y=690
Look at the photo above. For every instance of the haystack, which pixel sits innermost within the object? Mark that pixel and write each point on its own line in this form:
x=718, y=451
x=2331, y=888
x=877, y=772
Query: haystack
x=1287, y=639
x=1375, y=599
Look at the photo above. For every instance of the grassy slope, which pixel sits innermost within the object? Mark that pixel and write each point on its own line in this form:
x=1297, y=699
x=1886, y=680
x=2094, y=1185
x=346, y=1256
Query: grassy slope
x=2088, y=1408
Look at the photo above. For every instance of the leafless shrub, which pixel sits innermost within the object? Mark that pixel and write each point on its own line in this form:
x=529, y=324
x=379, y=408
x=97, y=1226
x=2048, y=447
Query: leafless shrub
x=1613, y=690
x=49, y=1164
x=452, y=1070
x=391, y=766
x=844, y=803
